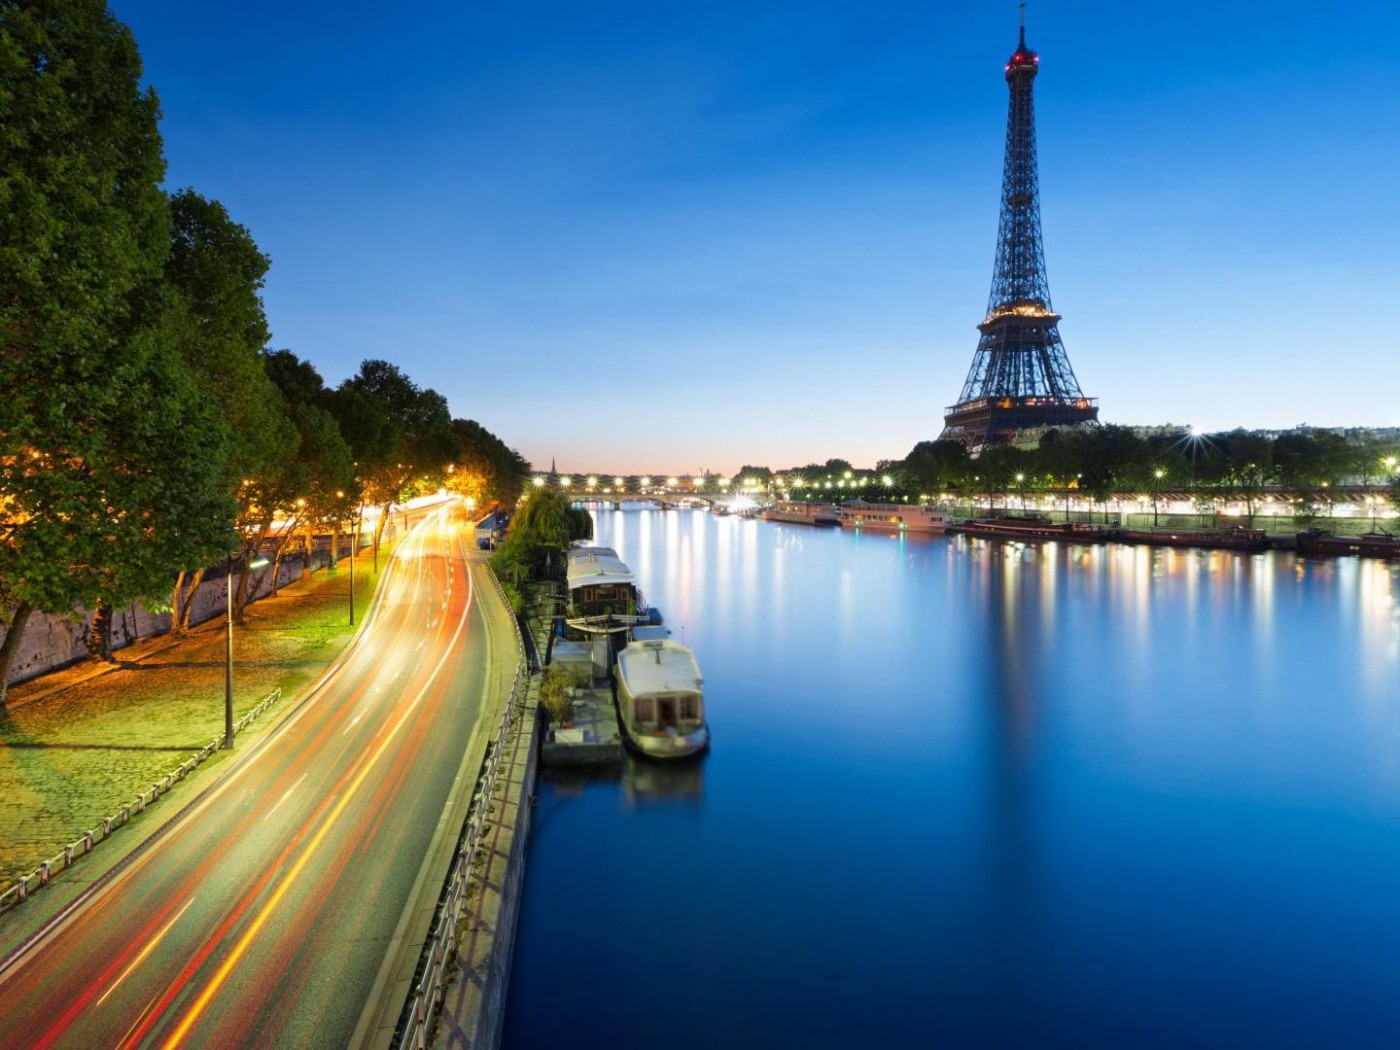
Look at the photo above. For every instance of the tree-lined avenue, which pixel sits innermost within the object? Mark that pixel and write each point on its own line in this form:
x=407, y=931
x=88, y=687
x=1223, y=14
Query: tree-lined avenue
x=263, y=914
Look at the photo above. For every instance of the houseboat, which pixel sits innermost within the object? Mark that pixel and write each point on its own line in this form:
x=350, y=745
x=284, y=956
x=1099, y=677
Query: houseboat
x=1367, y=545
x=892, y=517
x=603, y=597
x=660, y=699
x=1034, y=529
x=802, y=512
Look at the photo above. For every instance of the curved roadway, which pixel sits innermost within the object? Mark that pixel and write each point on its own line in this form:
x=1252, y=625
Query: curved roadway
x=262, y=915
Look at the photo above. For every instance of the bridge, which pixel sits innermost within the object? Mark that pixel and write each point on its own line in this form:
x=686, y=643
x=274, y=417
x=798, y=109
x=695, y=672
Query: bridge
x=676, y=490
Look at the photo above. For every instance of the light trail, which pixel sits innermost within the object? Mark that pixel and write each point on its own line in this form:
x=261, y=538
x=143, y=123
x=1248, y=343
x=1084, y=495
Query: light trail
x=150, y=947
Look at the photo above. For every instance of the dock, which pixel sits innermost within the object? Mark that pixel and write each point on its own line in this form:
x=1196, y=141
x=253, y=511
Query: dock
x=592, y=738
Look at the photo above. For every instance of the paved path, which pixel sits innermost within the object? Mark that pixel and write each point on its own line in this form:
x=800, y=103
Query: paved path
x=262, y=915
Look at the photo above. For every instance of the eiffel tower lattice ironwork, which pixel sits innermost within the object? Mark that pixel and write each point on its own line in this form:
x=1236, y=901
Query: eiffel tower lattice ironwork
x=1020, y=376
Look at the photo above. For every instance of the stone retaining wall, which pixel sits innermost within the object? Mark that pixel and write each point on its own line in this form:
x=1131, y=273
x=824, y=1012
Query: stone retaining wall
x=52, y=641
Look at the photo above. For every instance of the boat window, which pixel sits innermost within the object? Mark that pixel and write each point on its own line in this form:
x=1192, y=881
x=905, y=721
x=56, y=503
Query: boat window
x=690, y=708
x=644, y=709
x=666, y=710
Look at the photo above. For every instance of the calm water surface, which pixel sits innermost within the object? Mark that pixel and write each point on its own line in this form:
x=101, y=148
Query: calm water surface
x=969, y=794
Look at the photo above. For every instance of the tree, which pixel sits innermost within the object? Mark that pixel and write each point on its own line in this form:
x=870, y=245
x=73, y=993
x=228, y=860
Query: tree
x=934, y=466
x=397, y=432
x=543, y=527
x=322, y=474
x=215, y=272
x=485, y=469
x=99, y=499
x=1250, y=466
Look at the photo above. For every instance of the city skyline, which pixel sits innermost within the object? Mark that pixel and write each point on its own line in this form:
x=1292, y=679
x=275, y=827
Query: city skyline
x=659, y=241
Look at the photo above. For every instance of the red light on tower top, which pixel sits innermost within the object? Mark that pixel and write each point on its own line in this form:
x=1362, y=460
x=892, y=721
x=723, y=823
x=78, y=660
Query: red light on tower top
x=1024, y=58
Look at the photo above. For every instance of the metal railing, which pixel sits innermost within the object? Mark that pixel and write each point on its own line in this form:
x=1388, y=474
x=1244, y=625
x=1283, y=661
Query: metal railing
x=82, y=846
x=435, y=963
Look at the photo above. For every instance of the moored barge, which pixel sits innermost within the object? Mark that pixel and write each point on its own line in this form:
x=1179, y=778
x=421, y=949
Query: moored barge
x=1367, y=545
x=1238, y=538
x=802, y=512
x=1034, y=529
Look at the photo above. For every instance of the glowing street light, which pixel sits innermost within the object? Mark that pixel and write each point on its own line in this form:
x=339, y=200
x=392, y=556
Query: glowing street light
x=538, y=482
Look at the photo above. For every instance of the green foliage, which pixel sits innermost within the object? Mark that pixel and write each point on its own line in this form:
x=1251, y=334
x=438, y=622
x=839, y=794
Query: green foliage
x=112, y=466
x=555, y=684
x=486, y=469
x=761, y=474
x=933, y=467
x=396, y=430
x=541, y=530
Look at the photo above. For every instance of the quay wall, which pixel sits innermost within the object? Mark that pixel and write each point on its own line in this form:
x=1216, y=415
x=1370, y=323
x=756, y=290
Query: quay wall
x=474, y=1003
x=55, y=640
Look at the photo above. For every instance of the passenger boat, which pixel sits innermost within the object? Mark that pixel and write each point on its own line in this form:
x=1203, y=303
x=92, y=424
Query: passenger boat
x=660, y=699
x=1238, y=538
x=1035, y=529
x=603, y=597
x=892, y=517
x=802, y=512
x=1367, y=545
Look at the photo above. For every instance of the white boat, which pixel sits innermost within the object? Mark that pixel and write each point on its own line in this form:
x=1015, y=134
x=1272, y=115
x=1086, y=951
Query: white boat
x=893, y=517
x=603, y=595
x=802, y=512
x=660, y=699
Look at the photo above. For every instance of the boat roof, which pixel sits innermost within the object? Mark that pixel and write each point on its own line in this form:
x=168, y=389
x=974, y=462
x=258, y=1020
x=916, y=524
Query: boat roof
x=658, y=666
x=603, y=568
x=589, y=552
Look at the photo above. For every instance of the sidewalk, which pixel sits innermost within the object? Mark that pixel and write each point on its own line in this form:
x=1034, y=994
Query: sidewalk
x=78, y=743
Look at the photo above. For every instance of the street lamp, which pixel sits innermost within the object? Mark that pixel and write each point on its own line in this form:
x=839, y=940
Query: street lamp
x=228, y=644
x=1158, y=474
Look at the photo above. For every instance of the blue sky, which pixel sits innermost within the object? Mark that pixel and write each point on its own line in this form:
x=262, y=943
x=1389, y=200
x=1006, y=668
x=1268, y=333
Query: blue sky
x=642, y=237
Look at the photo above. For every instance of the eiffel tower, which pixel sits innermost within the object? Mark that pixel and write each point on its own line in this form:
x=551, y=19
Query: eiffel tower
x=1020, y=376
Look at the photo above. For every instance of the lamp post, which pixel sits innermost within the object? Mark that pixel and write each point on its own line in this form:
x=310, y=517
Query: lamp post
x=228, y=645
x=1157, y=474
x=355, y=549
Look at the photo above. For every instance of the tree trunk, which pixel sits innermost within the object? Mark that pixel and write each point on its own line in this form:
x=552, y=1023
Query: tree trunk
x=14, y=634
x=175, y=598
x=99, y=636
x=187, y=606
x=306, y=561
x=379, y=531
x=335, y=544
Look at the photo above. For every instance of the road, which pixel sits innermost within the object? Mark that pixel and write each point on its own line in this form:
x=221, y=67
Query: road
x=262, y=915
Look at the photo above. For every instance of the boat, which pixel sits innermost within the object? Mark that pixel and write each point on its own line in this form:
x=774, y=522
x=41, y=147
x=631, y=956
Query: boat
x=802, y=512
x=1237, y=538
x=1368, y=545
x=892, y=517
x=660, y=699
x=1028, y=528
x=603, y=597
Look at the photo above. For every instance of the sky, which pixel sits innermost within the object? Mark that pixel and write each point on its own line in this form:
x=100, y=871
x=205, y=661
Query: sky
x=672, y=237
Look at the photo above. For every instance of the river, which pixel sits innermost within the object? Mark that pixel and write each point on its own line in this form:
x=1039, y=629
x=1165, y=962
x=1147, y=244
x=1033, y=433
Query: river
x=962, y=793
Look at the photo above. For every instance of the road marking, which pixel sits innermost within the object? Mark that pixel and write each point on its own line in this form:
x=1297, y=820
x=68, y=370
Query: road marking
x=286, y=794
x=150, y=947
x=197, y=1008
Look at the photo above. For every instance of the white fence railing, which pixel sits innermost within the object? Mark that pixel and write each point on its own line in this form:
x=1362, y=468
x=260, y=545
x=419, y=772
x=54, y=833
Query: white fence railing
x=434, y=965
x=59, y=862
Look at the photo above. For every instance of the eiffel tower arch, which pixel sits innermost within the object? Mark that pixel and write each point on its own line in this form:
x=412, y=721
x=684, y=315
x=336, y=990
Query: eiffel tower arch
x=1020, y=376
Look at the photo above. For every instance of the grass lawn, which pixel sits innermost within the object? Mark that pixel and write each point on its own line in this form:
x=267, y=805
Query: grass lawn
x=77, y=743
